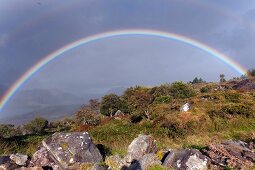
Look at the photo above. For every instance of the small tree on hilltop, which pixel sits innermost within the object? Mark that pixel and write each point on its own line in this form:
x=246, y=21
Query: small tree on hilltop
x=222, y=78
x=251, y=72
x=111, y=103
x=197, y=80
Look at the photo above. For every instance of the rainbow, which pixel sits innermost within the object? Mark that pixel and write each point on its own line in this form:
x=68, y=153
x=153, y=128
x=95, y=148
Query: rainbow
x=134, y=32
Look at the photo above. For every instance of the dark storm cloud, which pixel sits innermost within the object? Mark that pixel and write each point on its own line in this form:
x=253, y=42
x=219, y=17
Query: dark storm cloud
x=31, y=31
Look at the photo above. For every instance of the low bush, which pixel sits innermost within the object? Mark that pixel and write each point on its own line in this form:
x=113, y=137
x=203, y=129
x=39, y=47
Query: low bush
x=174, y=128
x=87, y=116
x=36, y=126
x=136, y=118
x=204, y=90
x=7, y=131
x=163, y=99
x=232, y=97
x=232, y=110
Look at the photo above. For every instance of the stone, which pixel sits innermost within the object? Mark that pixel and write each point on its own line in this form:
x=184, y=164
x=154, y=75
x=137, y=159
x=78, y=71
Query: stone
x=188, y=159
x=42, y=158
x=114, y=162
x=97, y=167
x=145, y=162
x=70, y=149
x=233, y=154
x=119, y=113
x=140, y=146
x=30, y=168
x=6, y=163
x=186, y=107
x=19, y=159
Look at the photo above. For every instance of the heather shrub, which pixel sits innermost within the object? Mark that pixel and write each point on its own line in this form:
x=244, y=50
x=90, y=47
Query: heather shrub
x=87, y=116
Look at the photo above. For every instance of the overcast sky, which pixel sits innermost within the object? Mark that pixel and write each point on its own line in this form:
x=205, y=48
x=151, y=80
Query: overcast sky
x=31, y=29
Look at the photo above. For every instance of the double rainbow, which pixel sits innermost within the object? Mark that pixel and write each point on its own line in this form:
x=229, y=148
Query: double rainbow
x=134, y=32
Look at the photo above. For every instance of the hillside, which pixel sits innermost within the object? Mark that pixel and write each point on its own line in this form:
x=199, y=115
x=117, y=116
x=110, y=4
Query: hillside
x=177, y=115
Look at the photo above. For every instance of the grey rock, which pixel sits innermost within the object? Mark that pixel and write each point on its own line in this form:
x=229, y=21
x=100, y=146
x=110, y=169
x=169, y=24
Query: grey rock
x=188, y=159
x=19, y=159
x=70, y=149
x=145, y=162
x=6, y=163
x=186, y=107
x=42, y=158
x=234, y=154
x=140, y=146
x=119, y=113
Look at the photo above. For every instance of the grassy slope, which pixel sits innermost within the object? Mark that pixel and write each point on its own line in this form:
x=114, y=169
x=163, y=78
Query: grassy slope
x=200, y=129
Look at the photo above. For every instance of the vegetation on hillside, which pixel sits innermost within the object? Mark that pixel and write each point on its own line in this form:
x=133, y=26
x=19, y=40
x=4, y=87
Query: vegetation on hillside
x=218, y=112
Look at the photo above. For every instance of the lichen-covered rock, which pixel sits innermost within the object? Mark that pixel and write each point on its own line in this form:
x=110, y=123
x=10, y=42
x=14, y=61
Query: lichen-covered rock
x=115, y=162
x=188, y=159
x=140, y=146
x=71, y=149
x=42, y=158
x=145, y=162
x=234, y=154
x=6, y=163
x=19, y=159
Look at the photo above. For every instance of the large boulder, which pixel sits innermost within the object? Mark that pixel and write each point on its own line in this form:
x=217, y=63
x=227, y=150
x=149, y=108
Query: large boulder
x=140, y=146
x=19, y=159
x=71, y=149
x=145, y=162
x=234, y=154
x=42, y=158
x=6, y=163
x=188, y=159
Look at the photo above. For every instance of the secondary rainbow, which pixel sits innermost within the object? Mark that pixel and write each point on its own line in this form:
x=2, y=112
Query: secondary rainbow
x=130, y=32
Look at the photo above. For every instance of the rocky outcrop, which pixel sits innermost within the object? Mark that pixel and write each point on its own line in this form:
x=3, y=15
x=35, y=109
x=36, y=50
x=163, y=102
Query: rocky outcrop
x=188, y=159
x=19, y=159
x=145, y=162
x=69, y=150
x=234, y=154
x=139, y=147
x=247, y=84
x=41, y=158
x=76, y=151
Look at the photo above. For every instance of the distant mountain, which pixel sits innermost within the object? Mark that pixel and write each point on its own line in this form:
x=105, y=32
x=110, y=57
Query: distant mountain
x=51, y=104
x=50, y=113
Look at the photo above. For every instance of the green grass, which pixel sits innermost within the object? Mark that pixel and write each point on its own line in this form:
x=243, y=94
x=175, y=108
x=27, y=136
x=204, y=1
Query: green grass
x=24, y=144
